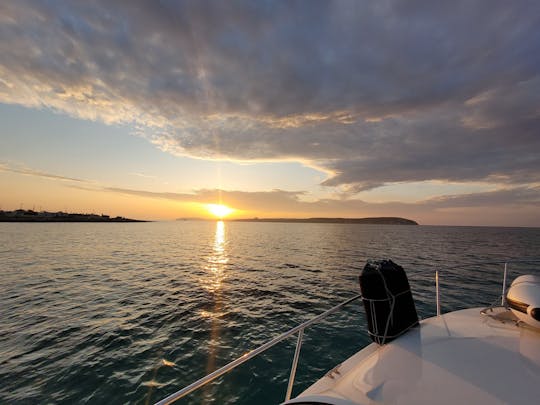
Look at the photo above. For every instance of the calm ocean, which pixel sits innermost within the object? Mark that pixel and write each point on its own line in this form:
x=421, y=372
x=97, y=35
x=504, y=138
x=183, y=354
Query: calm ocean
x=131, y=312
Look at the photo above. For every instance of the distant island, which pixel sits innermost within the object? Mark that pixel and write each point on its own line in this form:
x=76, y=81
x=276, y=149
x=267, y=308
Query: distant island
x=44, y=216
x=374, y=220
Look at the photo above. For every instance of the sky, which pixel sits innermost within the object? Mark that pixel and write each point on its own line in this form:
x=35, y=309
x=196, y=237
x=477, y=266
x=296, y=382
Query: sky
x=152, y=109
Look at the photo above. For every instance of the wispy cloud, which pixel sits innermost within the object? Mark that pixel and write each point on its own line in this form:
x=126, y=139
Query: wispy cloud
x=505, y=201
x=370, y=92
x=144, y=176
x=36, y=173
x=513, y=196
x=524, y=200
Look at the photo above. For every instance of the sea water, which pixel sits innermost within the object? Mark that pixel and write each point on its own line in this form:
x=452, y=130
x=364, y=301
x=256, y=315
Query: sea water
x=131, y=312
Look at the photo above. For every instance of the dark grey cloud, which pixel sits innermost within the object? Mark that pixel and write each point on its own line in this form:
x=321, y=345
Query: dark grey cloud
x=517, y=196
x=372, y=92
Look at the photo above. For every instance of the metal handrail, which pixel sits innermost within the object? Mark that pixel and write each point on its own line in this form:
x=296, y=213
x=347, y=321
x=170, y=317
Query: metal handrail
x=300, y=329
x=470, y=264
x=249, y=355
x=437, y=295
x=504, y=282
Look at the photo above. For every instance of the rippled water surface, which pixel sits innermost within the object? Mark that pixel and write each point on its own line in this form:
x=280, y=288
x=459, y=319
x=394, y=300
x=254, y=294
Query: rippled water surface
x=131, y=312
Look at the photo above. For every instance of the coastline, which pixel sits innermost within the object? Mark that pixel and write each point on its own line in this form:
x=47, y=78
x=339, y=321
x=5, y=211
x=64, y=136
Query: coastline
x=44, y=216
x=373, y=220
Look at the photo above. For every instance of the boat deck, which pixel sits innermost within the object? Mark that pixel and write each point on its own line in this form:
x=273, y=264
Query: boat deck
x=459, y=357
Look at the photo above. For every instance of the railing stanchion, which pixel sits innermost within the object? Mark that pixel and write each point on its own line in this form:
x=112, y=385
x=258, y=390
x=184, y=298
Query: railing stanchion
x=437, y=293
x=294, y=364
x=503, y=298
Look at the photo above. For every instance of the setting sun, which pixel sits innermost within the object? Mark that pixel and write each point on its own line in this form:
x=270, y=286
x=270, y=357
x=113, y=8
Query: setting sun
x=219, y=210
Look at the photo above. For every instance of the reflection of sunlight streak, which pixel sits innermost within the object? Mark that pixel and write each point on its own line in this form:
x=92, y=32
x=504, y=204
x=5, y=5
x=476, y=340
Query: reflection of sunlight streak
x=216, y=261
x=167, y=363
x=153, y=383
x=219, y=239
x=215, y=267
x=210, y=314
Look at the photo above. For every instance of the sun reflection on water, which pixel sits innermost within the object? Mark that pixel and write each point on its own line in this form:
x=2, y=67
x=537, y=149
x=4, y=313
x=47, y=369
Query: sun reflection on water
x=217, y=261
x=215, y=268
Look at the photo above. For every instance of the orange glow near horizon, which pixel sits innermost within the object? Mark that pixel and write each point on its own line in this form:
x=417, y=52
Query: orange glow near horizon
x=219, y=210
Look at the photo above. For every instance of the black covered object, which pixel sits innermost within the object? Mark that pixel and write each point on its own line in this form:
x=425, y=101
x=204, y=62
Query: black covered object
x=388, y=300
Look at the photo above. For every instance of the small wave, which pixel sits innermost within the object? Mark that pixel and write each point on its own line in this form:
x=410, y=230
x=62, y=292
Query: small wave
x=167, y=363
x=152, y=383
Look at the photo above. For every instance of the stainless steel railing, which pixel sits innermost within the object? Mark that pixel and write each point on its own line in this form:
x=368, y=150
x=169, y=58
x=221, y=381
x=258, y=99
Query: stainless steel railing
x=506, y=264
x=300, y=329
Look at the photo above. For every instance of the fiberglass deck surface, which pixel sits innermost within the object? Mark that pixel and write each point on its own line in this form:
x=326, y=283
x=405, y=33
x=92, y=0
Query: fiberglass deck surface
x=460, y=357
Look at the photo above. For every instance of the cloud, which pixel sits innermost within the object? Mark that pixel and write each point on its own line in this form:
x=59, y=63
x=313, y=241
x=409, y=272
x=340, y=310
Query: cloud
x=291, y=201
x=370, y=92
x=275, y=200
x=36, y=173
x=514, y=196
x=142, y=175
x=514, y=206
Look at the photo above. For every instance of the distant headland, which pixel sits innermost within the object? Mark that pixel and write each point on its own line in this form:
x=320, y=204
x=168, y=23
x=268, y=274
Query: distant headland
x=44, y=216
x=374, y=220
